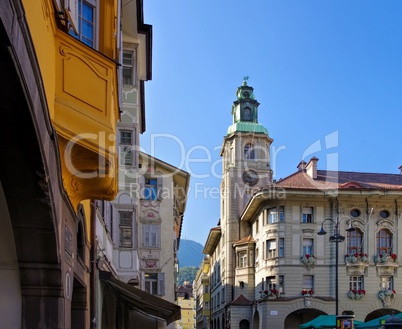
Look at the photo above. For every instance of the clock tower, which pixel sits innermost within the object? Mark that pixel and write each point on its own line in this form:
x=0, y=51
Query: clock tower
x=246, y=168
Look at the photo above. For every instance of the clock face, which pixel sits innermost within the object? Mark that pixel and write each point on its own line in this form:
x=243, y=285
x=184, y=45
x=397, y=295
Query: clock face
x=250, y=177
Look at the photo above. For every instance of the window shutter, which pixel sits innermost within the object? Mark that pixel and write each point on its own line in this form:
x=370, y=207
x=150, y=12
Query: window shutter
x=71, y=8
x=135, y=230
x=161, y=284
x=141, y=181
x=155, y=235
x=145, y=235
x=160, y=188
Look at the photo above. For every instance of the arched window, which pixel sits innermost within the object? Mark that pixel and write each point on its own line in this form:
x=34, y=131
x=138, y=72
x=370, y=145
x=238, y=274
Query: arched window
x=355, y=242
x=384, y=242
x=247, y=114
x=249, y=152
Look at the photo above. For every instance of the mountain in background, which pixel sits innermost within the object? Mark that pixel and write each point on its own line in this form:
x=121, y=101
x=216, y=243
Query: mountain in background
x=190, y=253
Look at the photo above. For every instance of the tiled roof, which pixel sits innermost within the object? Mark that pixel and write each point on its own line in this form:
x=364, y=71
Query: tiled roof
x=241, y=301
x=342, y=180
x=248, y=238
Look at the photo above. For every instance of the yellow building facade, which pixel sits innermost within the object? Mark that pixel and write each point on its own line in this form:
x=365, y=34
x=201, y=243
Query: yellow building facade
x=81, y=88
x=60, y=103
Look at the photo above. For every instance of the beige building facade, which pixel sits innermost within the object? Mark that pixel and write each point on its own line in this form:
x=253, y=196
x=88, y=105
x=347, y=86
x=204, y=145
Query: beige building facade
x=268, y=261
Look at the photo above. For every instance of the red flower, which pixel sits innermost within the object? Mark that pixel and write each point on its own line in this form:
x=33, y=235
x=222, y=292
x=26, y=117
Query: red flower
x=393, y=291
x=307, y=256
x=394, y=256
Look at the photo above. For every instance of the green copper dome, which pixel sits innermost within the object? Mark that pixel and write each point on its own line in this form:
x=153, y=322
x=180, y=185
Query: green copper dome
x=247, y=127
x=245, y=112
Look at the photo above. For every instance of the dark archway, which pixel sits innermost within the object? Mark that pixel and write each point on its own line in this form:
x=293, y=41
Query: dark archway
x=380, y=312
x=244, y=324
x=28, y=175
x=78, y=305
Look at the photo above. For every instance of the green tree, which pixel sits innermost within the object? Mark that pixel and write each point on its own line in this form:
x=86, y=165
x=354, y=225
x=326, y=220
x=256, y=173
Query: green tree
x=187, y=273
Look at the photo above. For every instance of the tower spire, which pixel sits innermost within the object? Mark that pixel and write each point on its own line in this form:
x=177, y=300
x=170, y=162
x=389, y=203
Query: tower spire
x=245, y=111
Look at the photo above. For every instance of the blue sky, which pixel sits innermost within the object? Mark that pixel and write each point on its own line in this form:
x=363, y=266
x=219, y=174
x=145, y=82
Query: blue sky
x=327, y=73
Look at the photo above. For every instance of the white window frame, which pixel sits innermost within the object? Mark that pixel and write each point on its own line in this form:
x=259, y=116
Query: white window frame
x=308, y=247
x=356, y=282
x=131, y=67
x=272, y=248
x=242, y=257
x=308, y=282
x=126, y=148
x=275, y=215
x=272, y=216
x=307, y=215
x=151, y=235
x=75, y=17
x=154, y=283
x=387, y=282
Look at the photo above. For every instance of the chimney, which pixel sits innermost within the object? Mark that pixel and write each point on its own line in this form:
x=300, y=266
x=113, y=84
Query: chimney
x=302, y=166
x=311, y=168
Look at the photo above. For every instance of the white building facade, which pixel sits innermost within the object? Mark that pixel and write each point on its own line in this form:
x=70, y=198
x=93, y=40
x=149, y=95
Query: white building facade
x=267, y=259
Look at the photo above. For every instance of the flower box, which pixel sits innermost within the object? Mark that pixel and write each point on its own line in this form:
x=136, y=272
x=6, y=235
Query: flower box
x=308, y=260
x=357, y=257
x=383, y=293
x=308, y=293
x=384, y=258
x=356, y=294
x=270, y=294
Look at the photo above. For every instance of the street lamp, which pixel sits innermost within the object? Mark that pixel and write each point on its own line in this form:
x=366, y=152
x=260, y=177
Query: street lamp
x=336, y=237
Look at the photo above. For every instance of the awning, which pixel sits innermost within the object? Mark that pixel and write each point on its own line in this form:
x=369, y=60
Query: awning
x=323, y=321
x=142, y=301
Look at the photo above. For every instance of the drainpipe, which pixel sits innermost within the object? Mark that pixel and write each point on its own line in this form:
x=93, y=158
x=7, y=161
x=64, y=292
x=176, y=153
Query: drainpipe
x=92, y=267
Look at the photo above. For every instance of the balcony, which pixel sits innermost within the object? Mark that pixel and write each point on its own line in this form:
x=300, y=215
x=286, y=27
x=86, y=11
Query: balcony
x=84, y=116
x=356, y=263
x=386, y=264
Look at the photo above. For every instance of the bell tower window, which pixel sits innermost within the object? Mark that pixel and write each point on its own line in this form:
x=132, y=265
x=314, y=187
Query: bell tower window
x=247, y=114
x=249, y=152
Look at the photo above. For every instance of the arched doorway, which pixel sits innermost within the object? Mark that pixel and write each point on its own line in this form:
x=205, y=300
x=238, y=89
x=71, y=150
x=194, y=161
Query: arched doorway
x=244, y=324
